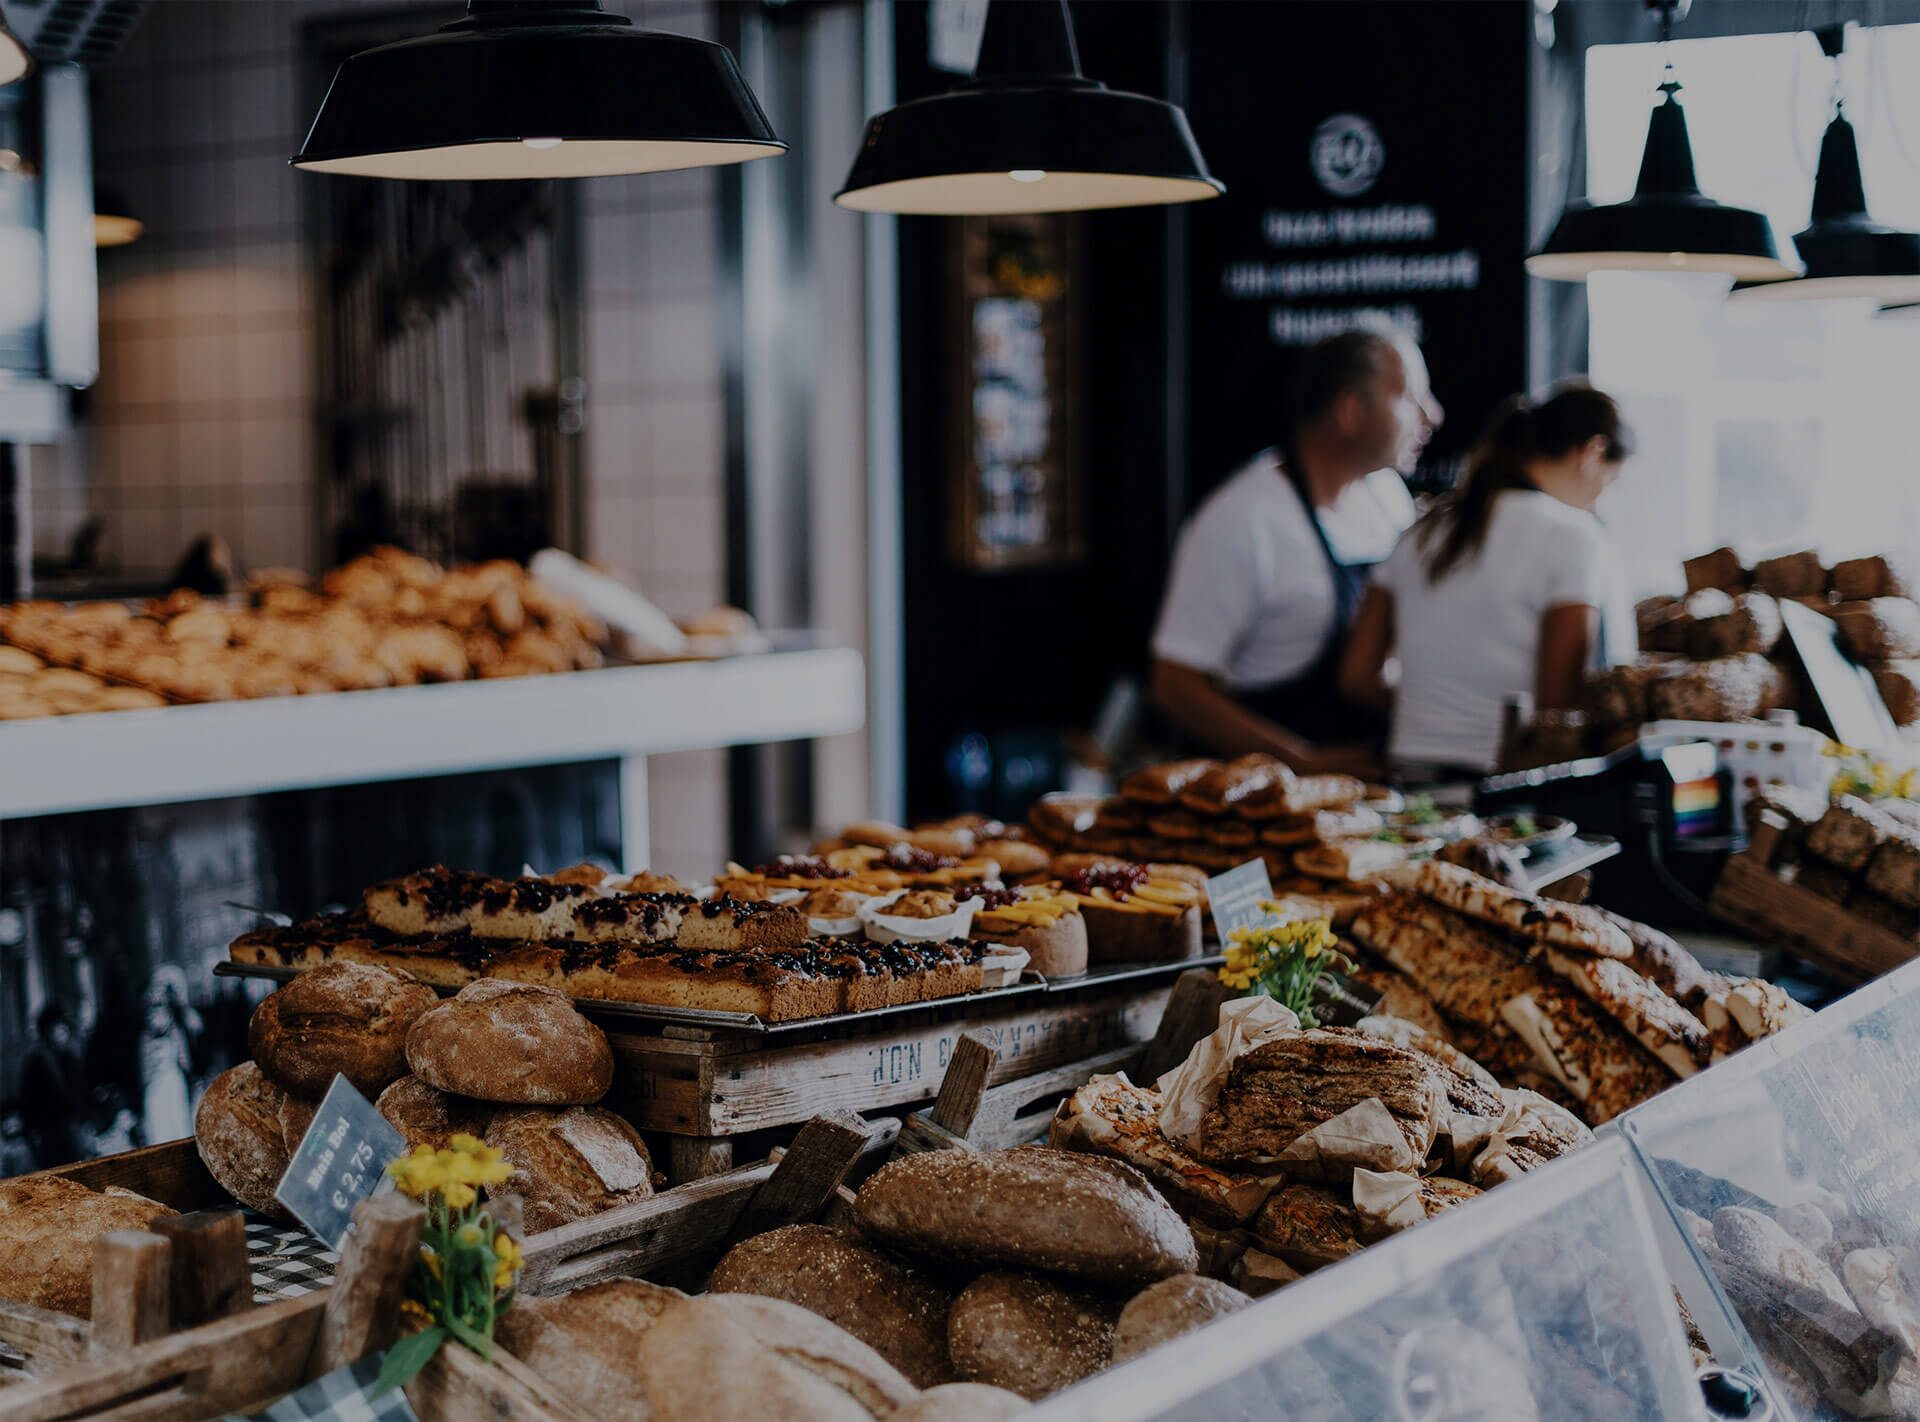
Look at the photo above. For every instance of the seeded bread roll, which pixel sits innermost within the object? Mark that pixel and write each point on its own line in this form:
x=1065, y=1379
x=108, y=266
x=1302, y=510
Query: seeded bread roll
x=511, y=1042
x=1029, y=1335
x=583, y=1343
x=428, y=1116
x=737, y=1358
x=899, y=1316
x=346, y=1018
x=570, y=1164
x=246, y=1130
x=1171, y=1308
x=47, y=1228
x=1031, y=1208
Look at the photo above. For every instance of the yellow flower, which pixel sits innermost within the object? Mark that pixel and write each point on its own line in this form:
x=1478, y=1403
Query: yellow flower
x=469, y=1234
x=432, y=1261
x=507, y=1250
x=465, y=1143
x=492, y=1172
x=417, y=1309
x=502, y=1279
x=459, y=1194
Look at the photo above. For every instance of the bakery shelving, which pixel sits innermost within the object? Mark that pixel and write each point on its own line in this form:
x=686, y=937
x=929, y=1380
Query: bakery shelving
x=116, y=759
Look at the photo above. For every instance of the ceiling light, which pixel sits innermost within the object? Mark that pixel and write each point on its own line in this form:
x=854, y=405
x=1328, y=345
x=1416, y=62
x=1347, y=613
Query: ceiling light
x=1028, y=133
x=15, y=62
x=597, y=96
x=1668, y=224
x=1847, y=253
x=114, y=224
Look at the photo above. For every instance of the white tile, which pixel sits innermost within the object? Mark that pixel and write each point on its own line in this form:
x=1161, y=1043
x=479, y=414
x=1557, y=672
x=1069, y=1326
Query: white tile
x=264, y=27
x=272, y=365
x=689, y=534
x=276, y=533
x=202, y=293
x=204, y=367
x=209, y=451
x=263, y=197
x=149, y=537
x=140, y=456
x=269, y=277
x=200, y=197
x=683, y=343
x=616, y=260
x=262, y=99
x=612, y=536
x=681, y=249
x=139, y=369
x=619, y=450
x=201, y=108
x=134, y=296
x=617, y=341
x=688, y=440
x=275, y=452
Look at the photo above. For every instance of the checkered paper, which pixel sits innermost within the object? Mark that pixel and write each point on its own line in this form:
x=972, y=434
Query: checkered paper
x=340, y=1396
x=287, y=1260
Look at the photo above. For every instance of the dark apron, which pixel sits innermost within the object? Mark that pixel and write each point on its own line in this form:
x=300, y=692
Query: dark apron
x=1310, y=704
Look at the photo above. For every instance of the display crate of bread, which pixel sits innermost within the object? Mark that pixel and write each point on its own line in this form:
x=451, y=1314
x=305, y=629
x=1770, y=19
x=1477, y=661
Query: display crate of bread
x=1837, y=881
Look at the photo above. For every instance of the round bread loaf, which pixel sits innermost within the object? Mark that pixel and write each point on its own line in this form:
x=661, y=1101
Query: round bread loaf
x=737, y=1358
x=346, y=1018
x=47, y=1228
x=1032, y=1208
x=1017, y=858
x=511, y=1042
x=247, y=1129
x=428, y=1116
x=961, y=1402
x=1170, y=1308
x=583, y=1343
x=899, y=1316
x=1029, y=1335
x=570, y=1164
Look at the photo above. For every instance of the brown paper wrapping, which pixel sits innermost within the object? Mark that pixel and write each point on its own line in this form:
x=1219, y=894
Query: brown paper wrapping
x=1188, y=1091
x=1364, y=1136
x=1387, y=1202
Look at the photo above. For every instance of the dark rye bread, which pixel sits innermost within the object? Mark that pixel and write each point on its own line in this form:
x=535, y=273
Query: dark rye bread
x=1169, y=1309
x=1278, y=1092
x=346, y=1018
x=900, y=1316
x=1032, y=1208
x=428, y=1116
x=511, y=1042
x=246, y=1130
x=1030, y=1335
x=1308, y=1226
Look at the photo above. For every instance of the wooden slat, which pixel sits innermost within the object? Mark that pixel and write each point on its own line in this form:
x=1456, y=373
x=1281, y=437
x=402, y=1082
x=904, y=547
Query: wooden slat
x=458, y=1385
x=362, y=1312
x=211, y=1274
x=807, y=1175
x=1758, y=901
x=42, y=1335
x=964, y=1086
x=238, y=1364
x=171, y=1174
x=691, y=1158
x=132, y=1290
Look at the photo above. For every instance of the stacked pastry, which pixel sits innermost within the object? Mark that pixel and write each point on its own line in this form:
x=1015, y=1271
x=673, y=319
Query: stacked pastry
x=1860, y=855
x=593, y=936
x=510, y=1062
x=386, y=619
x=1585, y=1007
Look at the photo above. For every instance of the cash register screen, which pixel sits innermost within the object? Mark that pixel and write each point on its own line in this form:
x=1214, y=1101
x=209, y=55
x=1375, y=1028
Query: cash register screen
x=1692, y=773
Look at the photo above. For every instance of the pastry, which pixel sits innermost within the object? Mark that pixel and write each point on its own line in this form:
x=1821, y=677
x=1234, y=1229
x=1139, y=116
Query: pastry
x=436, y=900
x=1293, y=831
x=1223, y=787
x=1547, y=921
x=1596, y=1061
x=1661, y=1025
x=526, y=909
x=1162, y=784
x=1308, y=1226
x=1044, y=921
x=1135, y=913
x=730, y=926
x=1849, y=833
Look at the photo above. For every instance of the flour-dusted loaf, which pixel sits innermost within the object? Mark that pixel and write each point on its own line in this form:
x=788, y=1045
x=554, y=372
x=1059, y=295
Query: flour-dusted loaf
x=246, y=1130
x=47, y=1228
x=961, y=1402
x=1879, y=629
x=738, y=1358
x=898, y=1314
x=1847, y=835
x=1861, y=579
x=570, y=1163
x=428, y=1116
x=1791, y=575
x=1169, y=1309
x=1028, y=1334
x=346, y=1018
x=1032, y=1208
x=1719, y=569
x=511, y=1042
x=584, y=1344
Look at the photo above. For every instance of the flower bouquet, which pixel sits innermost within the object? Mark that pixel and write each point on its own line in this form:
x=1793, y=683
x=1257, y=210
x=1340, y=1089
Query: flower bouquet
x=1285, y=961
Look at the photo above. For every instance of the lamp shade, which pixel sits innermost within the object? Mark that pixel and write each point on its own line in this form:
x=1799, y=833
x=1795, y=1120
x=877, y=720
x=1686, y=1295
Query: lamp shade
x=114, y=223
x=1028, y=133
x=1847, y=253
x=15, y=62
x=1667, y=225
x=525, y=89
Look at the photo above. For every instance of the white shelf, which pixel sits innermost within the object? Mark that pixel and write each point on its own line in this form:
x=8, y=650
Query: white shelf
x=116, y=759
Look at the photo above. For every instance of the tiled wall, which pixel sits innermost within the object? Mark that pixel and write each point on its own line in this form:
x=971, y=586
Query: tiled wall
x=202, y=420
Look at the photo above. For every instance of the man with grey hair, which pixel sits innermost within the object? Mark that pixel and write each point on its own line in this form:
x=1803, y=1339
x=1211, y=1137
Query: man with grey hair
x=1269, y=572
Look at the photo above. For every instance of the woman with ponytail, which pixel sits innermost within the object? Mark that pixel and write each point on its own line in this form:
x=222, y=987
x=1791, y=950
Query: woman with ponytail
x=1510, y=584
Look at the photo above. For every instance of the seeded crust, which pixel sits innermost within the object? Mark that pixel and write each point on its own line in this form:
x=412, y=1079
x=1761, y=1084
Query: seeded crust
x=1029, y=1335
x=1308, y=1226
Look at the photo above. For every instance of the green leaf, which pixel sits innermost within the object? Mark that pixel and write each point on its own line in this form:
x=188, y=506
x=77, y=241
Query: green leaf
x=406, y=1358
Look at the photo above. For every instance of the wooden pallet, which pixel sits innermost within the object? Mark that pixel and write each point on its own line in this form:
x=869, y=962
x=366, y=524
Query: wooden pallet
x=1752, y=895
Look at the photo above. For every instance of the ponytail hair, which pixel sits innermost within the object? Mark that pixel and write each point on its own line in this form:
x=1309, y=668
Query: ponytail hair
x=1519, y=434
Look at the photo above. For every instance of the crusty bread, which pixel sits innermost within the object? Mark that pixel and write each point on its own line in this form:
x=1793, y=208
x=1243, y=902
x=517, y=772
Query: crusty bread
x=584, y=1343
x=961, y=1402
x=247, y=1129
x=1031, y=1208
x=346, y=1018
x=511, y=1042
x=571, y=1163
x=901, y=1317
x=47, y=1228
x=738, y=1358
x=428, y=1116
x=1170, y=1308
x=1028, y=1334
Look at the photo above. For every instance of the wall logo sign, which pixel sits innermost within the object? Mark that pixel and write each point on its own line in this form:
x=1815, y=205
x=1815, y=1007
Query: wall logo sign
x=1346, y=155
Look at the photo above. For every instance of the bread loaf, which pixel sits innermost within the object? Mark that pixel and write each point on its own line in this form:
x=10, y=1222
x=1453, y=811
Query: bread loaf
x=1899, y=683
x=428, y=1116
x=584, y=1344
x=1791, y=575
x=961, y=1402
x=901, y=1317
x=1031, y=1208
x=737, y=1358
x=1029, y=1335
x=1169, y=1309
x=47, y=1228
x=511, y=1042
x=1860, y=579
x=571, y=1163
x=1847, y=835
x=346, y=1018
x=1753, y=624
x=246, y=1130
x=1885, y=627
x=1718, y=569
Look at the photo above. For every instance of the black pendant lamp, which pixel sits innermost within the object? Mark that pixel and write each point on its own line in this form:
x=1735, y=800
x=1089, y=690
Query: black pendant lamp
x=1668, y=224
x=15, y=62
x=536, y=89
x=1847, y=253
x=114, y=223
x=1028, y=133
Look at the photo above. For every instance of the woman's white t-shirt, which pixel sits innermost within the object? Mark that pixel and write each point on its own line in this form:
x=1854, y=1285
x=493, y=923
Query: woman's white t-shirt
x=1470, y=641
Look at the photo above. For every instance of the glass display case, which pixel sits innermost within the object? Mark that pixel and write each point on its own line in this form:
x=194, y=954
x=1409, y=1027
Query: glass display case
x=1547, y=1298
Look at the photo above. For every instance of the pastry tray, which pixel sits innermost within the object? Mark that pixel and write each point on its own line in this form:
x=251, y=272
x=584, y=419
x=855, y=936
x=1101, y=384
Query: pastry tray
x=1031, y=985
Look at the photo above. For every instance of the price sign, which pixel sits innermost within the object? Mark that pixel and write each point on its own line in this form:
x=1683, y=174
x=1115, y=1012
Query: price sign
x=341, y=1161
x=1235, y=897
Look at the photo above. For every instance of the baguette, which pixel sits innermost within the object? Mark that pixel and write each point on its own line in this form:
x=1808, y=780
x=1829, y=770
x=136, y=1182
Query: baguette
x=1548, y=921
